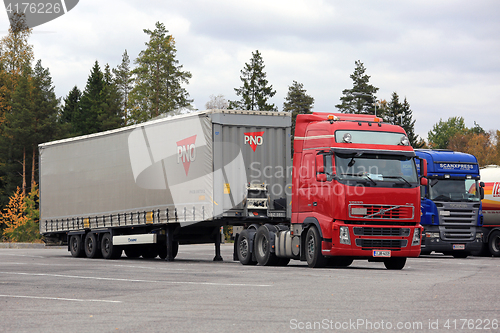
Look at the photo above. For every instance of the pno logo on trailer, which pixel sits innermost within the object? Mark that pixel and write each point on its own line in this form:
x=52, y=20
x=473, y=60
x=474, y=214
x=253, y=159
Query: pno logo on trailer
x=186, y=152
x=254, y=139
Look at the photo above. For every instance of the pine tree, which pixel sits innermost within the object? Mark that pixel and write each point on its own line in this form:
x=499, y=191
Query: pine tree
x=408, y=124
x=297, y=102
x=71, y=112
x=361, y=98
x=110, y=114
x=16, y=56
x=394, y=111
x=43, y=125
x=256, y=91
x=158, y=78
x=91, y=103
x=123, y=80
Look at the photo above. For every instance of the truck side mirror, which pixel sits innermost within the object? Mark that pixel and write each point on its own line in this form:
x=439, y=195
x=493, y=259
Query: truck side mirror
x=424, y=181
x=481, y=190
x=423, y=167
x=320, y=169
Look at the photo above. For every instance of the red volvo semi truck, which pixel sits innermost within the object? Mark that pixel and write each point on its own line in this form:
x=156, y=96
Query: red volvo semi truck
x=352, y=191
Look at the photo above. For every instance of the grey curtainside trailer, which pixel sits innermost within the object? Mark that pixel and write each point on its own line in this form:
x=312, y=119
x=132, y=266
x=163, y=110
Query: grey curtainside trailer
x=176, y=180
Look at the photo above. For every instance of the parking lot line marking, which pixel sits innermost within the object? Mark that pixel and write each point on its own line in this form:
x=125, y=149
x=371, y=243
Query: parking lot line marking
x=61, y=299
x=138, y=280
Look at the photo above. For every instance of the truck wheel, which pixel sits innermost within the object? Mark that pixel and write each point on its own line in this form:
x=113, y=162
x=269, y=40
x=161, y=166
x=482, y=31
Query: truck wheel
x=395, y=263
x=110, y=251
x=339, y=262
x=91, y=247
x=314, y=257
x=263, y=252
x=494, y=243
x=162, y=250
x=243, y=247
x=76, y=246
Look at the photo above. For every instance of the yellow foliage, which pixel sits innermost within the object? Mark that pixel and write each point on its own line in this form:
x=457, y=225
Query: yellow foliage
x=20, y=217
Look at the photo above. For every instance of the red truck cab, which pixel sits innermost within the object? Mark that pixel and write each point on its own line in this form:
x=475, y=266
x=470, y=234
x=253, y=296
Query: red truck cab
x=356, y=191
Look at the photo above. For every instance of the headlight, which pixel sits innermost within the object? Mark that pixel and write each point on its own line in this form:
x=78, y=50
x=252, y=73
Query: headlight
x=416, y=237
x=344, y=235
x=432, y=234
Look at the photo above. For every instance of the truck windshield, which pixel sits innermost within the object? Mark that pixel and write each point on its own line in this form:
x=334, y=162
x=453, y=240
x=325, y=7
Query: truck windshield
x=454, y=190
x=375, y=168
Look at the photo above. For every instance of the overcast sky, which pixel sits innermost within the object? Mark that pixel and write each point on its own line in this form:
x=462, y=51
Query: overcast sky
x=443, y=56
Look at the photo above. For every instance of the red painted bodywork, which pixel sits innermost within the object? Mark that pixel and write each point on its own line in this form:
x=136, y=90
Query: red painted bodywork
x=328, y=201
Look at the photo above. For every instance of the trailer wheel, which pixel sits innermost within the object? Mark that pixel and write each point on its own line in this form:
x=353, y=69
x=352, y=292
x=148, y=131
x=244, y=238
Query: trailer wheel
x=91, y=247
x=395, y=263
x=243, y=247
x=263, y=252
x=110, y=251
x=494, y=243
x=314, y=257
x=162, y=250
x=76, y=246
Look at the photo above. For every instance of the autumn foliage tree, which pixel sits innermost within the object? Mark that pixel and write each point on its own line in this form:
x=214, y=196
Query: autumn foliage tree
x=19, y=219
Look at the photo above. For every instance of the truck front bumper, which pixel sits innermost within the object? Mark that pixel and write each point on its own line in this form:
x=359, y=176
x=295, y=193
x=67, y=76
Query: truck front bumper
x=365, y=241
x=432, y=240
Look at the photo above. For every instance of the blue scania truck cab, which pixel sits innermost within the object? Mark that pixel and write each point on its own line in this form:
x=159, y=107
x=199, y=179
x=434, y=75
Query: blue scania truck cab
x=451, y=203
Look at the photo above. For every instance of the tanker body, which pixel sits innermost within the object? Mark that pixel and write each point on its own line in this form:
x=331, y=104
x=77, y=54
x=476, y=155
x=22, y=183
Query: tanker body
x=490, y=176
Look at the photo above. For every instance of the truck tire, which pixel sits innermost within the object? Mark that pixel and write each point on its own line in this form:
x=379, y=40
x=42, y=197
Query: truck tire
x=108, y=250
x=243, y=249
x=262, y=245
x=395, y=263
x=76, y=246
x=162, y=250
x=339, y=261
x=314, y=257
x=91, y=246
x=494, y=243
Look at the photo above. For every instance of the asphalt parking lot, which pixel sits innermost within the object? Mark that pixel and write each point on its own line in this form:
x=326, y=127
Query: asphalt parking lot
x=46, y=290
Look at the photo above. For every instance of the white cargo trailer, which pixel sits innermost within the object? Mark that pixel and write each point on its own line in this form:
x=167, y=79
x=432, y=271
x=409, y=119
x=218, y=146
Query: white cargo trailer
x=176, y=180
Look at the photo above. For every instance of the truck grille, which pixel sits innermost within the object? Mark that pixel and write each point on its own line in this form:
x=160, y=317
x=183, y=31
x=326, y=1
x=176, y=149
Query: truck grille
x=371, y=231
x=378, y=212
x=381, y=243
x=457, y=221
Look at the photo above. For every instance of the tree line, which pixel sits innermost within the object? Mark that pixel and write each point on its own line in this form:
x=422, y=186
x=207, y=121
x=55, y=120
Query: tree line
x=153, y=86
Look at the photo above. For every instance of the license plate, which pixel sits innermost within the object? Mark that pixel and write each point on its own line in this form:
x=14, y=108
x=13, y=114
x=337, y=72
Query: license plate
x=458, y=246
x=381, y=253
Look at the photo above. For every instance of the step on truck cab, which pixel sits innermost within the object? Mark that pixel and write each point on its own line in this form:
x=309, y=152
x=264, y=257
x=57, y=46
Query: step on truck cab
x=355, y=195
x=451, y=203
